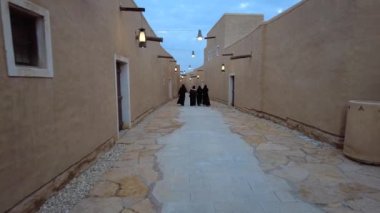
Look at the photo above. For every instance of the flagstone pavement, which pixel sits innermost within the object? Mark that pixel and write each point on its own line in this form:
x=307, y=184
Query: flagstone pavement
x=217, y=159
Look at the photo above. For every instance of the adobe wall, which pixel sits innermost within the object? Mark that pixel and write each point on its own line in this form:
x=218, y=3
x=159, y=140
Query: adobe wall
x=306, y=64
x=318, y=57
x=49, y=124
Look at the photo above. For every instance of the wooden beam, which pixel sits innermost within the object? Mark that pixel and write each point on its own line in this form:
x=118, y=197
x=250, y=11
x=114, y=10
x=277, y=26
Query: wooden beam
x=227, y=54
x=156, y=39
x=241, y=56
x=165, y=56
x=132, y=9
x=210, y=37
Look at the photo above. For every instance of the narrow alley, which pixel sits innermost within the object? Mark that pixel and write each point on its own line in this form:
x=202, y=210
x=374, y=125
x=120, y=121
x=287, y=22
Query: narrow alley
x=218, y=159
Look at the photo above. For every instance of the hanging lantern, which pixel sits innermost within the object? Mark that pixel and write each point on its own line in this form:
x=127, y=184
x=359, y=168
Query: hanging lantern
x=223, y=69
x=142, y=38
x=193, y=54
x=189, y=67
x=199, y=36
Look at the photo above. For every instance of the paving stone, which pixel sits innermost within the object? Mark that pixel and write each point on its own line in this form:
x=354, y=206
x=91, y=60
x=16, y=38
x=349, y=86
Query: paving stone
x=292, y=172
x=187, y=207
x=144, y=206
x=271, y=147
x=104, y=189
x=364, y=205
x=285, y=196
x=132, y=187
x=289, y=207
x=91, y=205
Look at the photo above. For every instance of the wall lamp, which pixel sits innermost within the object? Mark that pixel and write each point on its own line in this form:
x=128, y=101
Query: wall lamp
x=223, y=68
x=142, y=38
x=175, y=69
x=198, y=76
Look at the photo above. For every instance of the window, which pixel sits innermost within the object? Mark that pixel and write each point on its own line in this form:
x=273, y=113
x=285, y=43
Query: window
x=218, y=50
x=27, y=39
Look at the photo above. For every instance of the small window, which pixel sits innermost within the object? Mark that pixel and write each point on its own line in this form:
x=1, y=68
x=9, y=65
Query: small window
x=24, y=35
x=218, y=50
x=27, y=39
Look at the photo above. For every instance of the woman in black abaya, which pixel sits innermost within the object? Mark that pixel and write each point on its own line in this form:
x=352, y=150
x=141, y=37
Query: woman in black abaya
x=206, y=99
x=193, y=96
x=199, y=95
x=181, y=95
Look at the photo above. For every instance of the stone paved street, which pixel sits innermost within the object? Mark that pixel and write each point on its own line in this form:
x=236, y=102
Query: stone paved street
x=217, y=159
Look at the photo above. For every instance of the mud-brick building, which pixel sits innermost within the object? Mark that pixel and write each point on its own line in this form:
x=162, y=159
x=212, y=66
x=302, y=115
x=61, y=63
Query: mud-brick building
x=71, y=76
x=301, y=67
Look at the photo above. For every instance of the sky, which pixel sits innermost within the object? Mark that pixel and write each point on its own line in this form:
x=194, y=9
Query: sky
x=178, y=22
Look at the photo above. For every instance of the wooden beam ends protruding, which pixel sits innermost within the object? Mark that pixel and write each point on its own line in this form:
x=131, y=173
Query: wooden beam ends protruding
x=241, y=56
x=132, y=9
x=165, y=56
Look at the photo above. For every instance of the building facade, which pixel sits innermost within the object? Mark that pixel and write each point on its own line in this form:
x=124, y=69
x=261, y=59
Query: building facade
x=71, y=76
x=301, y=67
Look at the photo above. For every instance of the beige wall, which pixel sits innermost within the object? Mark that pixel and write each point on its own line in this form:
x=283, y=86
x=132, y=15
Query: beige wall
x=306, y=63
x=47, y=125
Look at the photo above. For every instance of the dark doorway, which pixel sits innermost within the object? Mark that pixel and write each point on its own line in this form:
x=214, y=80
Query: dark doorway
x=119, y=96
x=232, y=91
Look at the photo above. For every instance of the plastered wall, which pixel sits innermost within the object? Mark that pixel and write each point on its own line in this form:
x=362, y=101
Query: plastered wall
x=306, y=64
x=49, y=124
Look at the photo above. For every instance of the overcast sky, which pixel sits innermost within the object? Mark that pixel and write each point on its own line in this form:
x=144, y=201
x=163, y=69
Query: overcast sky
x=178, y=21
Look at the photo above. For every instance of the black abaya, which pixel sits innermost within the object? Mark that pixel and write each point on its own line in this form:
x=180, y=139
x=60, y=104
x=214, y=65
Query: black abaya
x=206, y=99
x=193, y=96
x=199, y=95
x=181, y=95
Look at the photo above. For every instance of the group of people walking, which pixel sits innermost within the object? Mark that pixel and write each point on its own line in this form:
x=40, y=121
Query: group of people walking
x=197, y=96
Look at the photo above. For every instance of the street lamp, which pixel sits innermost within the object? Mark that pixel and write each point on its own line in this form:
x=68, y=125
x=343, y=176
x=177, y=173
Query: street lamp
x=199, y=36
